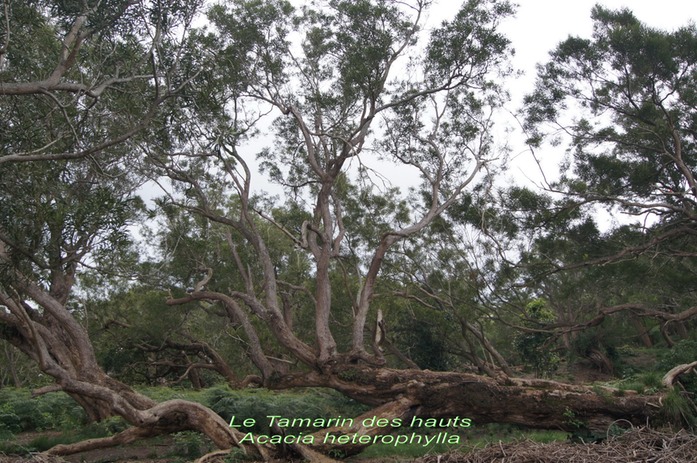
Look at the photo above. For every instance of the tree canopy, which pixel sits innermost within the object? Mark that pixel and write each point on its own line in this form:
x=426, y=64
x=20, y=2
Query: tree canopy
x=404, y=299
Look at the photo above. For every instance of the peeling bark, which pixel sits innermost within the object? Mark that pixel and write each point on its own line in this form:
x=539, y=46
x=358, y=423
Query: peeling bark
x=537, y=403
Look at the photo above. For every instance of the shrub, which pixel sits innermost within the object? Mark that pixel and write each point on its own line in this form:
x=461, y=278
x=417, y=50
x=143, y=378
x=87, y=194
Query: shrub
x=678, y=409
x=10, y=422
x=260, y=403
x=535, y=349
x=188, y=444
x=20, y=412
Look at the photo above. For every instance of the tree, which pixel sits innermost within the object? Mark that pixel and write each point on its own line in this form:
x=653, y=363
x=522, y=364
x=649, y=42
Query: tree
x=330, y=93
x=331, y=77
x=625, y=101
x=83, y=85
x=348, y=82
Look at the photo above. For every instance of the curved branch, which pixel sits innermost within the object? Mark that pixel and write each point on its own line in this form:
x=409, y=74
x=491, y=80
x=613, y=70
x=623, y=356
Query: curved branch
x=122, y=438
x=670, y=377
x=285, y=336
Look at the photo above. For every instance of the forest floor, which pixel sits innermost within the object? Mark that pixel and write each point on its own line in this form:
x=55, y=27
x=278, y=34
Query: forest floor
x=159, y=450
x=636, y=445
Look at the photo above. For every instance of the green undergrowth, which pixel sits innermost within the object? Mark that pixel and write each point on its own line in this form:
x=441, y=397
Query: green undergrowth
x=62, y=421
x=40, y=442
x=20, y=412
x=261, y=403
x=644, y=383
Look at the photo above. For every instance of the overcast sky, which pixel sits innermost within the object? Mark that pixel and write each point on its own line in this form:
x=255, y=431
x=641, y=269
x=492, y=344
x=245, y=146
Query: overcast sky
x=539, y=25
x=536, y=29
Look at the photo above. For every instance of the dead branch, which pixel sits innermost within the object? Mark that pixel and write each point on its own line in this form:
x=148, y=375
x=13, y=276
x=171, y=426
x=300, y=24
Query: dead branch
x=670, y=377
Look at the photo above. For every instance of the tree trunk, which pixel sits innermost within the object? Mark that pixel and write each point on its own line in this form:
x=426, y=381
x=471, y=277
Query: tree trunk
x=62, y=350
x=12, y=365
x=543, y=404
x=166, y=417
x=642, y=332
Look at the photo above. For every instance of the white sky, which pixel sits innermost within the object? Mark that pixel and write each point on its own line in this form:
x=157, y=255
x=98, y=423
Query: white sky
x=536, y=29
x=539, y=25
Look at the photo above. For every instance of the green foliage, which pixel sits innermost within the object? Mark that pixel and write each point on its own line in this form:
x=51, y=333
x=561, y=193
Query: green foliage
x=648, y=382
x=652, y=380
x=188, y=444
x=58, y=412
x=469, y=40
x=260, y=403
x=572, y=420
x=50, y=412
x=633, y=129
x=682, y=352
x=237, y=456
x=535, y=348
x=325, y=70
x=49, y=211
x=424, y=342
x=599, y=341
x=581, y=433
x=679, y=410
x=626, y=99
x=10, y=422
x=44, y=442
x=19, y=412
x=138, y=317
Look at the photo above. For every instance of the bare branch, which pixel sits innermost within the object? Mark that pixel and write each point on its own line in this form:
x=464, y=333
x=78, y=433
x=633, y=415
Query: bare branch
x=672, y=375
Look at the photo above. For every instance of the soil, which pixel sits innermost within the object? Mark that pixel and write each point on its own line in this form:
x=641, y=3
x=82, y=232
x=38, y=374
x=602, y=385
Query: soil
x=142, y=453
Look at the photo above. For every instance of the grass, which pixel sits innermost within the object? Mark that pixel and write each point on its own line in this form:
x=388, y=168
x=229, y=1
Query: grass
x=677, y=408
x=644, y=383
x=10, y=445
x=21, y=413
